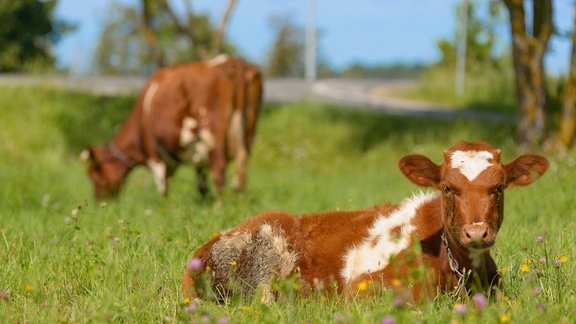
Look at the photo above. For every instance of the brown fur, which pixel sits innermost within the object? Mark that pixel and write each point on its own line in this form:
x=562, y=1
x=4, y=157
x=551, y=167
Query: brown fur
x=208, y=93
x=321, y=240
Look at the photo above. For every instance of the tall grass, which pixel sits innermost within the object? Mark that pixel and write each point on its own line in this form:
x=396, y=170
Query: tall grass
x=64, y=258
x=487, y=86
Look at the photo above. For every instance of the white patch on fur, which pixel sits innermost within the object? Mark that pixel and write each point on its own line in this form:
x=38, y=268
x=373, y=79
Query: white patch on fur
x=236, y=137
x=471, y=163
x=476, y=256
x=196, y=151
x=159, y=173
x=219, y=59
x=374, y=253
x=203, y=146
x=149, y=96
x=187, y=131
x=287, y=259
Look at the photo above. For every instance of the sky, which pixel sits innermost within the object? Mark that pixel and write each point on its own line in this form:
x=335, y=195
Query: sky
x=367, y=31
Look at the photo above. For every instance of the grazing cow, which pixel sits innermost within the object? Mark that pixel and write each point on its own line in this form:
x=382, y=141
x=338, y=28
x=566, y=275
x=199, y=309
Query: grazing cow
x=446, y=234
x=203, y=114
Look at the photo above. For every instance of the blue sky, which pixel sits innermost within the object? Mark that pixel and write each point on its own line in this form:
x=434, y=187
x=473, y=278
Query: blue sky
x=369, y=31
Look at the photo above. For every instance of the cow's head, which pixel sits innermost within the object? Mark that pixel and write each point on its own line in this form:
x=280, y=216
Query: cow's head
x=472, y=181
x=106, y=172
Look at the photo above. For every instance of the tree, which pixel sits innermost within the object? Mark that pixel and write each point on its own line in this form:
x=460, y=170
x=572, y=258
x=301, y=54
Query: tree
x=568, y=118
x=480, y=39
x=28, y=31
x=154, y=35
x=286, y=56
x=528, y=49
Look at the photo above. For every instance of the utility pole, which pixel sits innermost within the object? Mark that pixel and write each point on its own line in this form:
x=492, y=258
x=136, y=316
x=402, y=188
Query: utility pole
x=310, y=65
x=461, y=48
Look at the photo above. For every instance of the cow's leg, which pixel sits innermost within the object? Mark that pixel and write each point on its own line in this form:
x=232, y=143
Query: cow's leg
x=238, y=142
x=202, y=181
x=159, y=172
x=218, y=169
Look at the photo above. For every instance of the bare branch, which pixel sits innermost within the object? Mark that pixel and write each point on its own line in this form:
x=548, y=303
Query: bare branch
x=223, y=25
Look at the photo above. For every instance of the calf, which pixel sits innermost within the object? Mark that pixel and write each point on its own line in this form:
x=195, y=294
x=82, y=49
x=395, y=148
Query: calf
x=203, y=114
x=447, y=234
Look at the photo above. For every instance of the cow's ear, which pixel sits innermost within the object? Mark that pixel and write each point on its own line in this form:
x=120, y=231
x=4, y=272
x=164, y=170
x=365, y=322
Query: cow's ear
x=525, y=170
x=420, y=170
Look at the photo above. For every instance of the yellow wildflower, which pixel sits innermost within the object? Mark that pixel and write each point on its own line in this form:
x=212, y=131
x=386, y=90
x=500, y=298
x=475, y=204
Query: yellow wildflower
x=186, y=301
x=524, y=268
x=233, y=263
x=505, y=318
x=28, y=288
x=246, y=308
x=362, y=285
x=396, y=282
x=563, y=259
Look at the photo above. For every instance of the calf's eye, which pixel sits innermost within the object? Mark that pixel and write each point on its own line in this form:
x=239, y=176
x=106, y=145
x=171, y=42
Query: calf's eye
x=449, y=191
x=498, y=189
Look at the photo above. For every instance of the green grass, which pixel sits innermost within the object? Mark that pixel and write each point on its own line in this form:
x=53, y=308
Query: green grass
x=485, y=88
x=64, y=258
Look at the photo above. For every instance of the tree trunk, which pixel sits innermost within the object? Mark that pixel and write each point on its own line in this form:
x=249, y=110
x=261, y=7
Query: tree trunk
x=528, y=51
x=219, y=43
x=568, y=121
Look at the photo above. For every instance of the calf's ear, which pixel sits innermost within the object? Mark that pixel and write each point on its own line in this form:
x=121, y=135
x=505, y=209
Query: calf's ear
x=525, y=170
x=420, y=170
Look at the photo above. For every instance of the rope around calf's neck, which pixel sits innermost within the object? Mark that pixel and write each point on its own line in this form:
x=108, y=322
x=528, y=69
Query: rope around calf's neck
x=454, y=266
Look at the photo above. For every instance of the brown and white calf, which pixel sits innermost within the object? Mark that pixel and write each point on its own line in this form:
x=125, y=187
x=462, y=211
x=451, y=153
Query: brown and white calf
x=446, y=233
x=203, y=114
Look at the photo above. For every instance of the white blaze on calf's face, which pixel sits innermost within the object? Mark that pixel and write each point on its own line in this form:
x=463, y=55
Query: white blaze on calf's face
x=471, y=163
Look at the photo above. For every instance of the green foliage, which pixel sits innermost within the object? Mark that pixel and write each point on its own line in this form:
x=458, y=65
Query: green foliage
x=65, y=258
x=286, y=56
x=489, y=78
x=27, y=33
x=152, y=36
x=392, y=71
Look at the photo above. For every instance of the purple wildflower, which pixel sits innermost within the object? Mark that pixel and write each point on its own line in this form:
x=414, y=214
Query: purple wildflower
x=542, y=260
x=480, y=301
x=4, y=294
x=195, y=264
x=388, y=320
x=397, y=301
x=460, y=308
x=536, y=291
x=540, y=238
x=191, y=308
x=222, y=320
x=338, y=318
x=557, y=262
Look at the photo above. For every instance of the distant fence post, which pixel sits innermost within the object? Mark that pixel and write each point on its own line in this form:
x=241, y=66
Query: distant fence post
x=310, y=66
x=461, y=48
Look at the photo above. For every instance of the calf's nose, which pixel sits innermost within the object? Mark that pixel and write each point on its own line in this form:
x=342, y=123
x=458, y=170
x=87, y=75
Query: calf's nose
x=475, y=233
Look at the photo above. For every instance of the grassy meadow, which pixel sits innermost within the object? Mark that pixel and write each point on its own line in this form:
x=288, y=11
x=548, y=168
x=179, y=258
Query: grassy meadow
x=64, y=258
